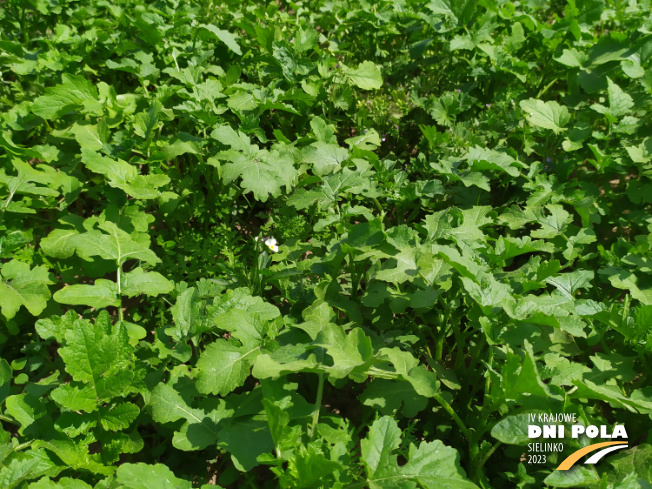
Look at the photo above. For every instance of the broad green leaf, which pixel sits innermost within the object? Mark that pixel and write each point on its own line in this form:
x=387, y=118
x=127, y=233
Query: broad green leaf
x=181, y=144
x=144, y=476
x=200, y=429
x=74, y=92
x=5, y=379
x=143, y=67
x=188, y=315
x=370, y=140
x=222, y=367
x=26, y=409
x=168, y=406
x=366, y=76
x=117, y=172
x=139, y=282
x=146, y=122
x=488, y=159
x=449, y=167
x=569, y=283
x=23, y=182
x=513, y=430
x=522, y=381
x=326, y=158
x=285, y=360
x=45, y=152
x=103, y=293
x=22, y=286
x=423, y=381
x=262, y=172
x=91, y=137
x=28, y=466
x=636, y=402
x=376, y=449
x=57, y=244
x=145, y=186
x=100, y=362
x=278, y=420
x=401, y=267
x=351, y=353
x=118, y=417
x=241, y=299
x=62, y=483
x=553, y=224
x=636, y=459
x=622, y=278
x=573, y=58
x=578, y=476
x=116, y=245
x=224, y=36
x=243, y=325
x=242, y=101
x=246, y=439
x=486, y=290
x=390, y=397
x=508, y=247
x=402, y=361
x=431, y=465
x=620, y=103
x=641, y=153
x=73, y=455
x=263, y=176
x=122, y=175
x=548, y=115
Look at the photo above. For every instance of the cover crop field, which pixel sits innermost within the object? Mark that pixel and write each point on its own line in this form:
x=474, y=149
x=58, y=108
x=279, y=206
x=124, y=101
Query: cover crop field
x=325, y=244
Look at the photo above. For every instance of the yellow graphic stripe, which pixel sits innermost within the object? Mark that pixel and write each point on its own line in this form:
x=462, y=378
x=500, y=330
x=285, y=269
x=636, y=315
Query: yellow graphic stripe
x=574, y=457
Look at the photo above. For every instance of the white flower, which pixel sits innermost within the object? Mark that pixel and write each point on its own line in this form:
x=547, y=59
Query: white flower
x=271, y=244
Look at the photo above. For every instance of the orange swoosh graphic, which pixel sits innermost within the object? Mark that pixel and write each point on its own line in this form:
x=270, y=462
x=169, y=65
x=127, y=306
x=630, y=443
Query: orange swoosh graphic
x=575, y=456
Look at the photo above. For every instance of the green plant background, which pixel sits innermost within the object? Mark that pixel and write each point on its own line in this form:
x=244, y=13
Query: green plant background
x=460, y=193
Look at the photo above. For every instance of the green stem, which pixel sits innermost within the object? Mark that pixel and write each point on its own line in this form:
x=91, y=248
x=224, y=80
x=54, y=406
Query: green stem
x=6, y=205
x=460, y=341
x=379, y=207
x=317, y=405
x=545, y=89
x=120, y=313
x=447, y=407
x=487, y=454
x=439, y=347
x=22, y=445
x=381, y=374
x=487, y=381
x=475, y=353
x=7, y=419
x=355, y=280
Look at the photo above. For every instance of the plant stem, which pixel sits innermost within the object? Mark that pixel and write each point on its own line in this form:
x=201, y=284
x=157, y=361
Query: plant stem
x=545, y=89
x=447, y=407
x=355, y=280
x=317, y=405
x=379, y=207
x=7, y=419
x=487, y=454
x=120, y=313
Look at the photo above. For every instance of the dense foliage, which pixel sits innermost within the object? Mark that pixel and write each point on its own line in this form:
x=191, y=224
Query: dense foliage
x=322, y=244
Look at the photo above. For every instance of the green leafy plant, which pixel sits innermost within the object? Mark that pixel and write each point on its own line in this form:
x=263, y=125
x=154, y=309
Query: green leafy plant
x=322, y=244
